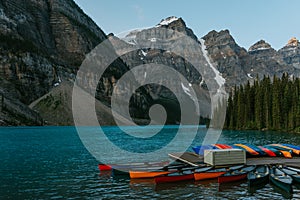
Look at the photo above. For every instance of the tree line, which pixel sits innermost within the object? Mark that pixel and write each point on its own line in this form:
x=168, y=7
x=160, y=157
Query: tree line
x=267, y=104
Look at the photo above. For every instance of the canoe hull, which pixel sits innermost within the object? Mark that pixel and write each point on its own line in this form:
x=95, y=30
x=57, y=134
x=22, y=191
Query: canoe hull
x=124, y=167
x=200, y=149
x=276, y=151
x=171, y=179
x=267, y=151
x=296, y=179
x=257, y=149
x=287, y=148
x=139, y=175
x=294, y=174
x=280, y=180
x=232, y=178
x=286, y=154
x=258, y=177
x=259, y=181
x=103, y=167
x=292, y=146
x=207, y=175
x=222, y=146
x=248, y=149
x=284, y=186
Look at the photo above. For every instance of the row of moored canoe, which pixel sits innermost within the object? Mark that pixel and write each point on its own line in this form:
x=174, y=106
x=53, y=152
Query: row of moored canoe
x=280, y=176
x=271, y=150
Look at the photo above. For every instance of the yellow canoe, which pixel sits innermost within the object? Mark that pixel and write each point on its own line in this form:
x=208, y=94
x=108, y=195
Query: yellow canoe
x=248, y=149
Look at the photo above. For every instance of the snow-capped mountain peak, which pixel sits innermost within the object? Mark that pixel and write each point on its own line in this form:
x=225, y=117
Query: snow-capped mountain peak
x=168, y=21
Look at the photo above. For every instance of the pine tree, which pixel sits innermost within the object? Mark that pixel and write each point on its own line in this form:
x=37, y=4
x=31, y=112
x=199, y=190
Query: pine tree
x=267, y=96
x=240, y=108
x=248, y=106
x=265, y=104
x=229, y=114
x=276, y=104
x=258, y=106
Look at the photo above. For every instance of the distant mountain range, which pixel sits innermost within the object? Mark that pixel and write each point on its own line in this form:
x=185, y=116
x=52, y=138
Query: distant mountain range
x=43, y=43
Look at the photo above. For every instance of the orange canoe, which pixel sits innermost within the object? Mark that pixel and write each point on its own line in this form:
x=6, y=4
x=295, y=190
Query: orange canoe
x=286, y=154
x=248, y=149
x=207, y=175
x=146, y=174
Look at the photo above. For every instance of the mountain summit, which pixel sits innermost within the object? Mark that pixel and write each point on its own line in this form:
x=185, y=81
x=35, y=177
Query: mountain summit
x=260, y=45
x=293, y=42
x=169, y=20
x=291, y=53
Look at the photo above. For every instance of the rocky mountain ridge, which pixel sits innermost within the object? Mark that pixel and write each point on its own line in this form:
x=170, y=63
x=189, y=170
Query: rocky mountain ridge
x=236, y=64
x=42, y=44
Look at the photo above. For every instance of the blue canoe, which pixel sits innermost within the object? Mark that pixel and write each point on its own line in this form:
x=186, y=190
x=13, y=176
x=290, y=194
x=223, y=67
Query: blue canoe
x=255, y=148
x=200, y=149
x=292, y=146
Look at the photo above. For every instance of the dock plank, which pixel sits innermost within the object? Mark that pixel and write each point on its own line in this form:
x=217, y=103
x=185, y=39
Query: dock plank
x=188, y=157
x=196, y=160
x=274, y=161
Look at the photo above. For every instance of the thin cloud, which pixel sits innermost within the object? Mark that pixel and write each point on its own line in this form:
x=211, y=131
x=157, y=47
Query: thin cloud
x=139, y=12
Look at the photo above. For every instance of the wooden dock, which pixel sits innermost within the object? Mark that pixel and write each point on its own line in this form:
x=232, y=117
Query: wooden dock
x=188, y=157
x=196, y=160
x=295, y=162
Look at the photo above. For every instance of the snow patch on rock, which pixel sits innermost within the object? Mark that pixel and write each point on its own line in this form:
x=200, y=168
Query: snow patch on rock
x=144, y=53
x=219, y=79
x=167, y=21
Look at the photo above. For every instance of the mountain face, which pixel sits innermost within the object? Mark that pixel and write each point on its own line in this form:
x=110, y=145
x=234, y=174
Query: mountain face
x=228, y=57
x=57, y=28
x=144, y=56
x=290, y=53
x=232, y=62
x=43, y=43
x=236, y=64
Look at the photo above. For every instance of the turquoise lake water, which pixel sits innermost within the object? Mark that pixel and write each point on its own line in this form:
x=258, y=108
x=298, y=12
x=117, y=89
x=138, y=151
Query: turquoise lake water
x=52, y=163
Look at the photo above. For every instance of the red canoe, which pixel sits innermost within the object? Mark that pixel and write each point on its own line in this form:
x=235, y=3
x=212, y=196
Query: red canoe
x=232, y=178
x=207, y=175
x=104, y=167
x=222, y=146
x=175, y=177
x=235, y=175
x=267, y=151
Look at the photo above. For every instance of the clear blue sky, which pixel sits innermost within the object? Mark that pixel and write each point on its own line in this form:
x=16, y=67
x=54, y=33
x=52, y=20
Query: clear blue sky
x=275, y=21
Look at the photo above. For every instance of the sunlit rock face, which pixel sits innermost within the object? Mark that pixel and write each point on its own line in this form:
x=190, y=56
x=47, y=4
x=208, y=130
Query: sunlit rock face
x=291, y=53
